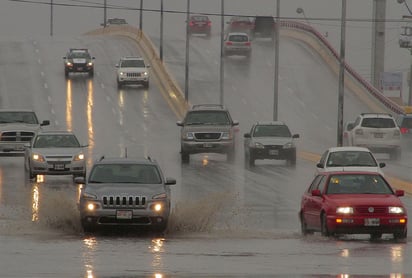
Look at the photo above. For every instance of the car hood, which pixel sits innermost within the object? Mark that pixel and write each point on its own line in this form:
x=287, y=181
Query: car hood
x=19, y=126
x=125, y=189
x=272, y=140
x=207, y=128
x=57, y=151
x=132, y=70
x=364, y=200
x=354, y=168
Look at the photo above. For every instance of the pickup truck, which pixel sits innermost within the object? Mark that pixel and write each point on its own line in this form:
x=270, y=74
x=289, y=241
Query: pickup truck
x=17, y=128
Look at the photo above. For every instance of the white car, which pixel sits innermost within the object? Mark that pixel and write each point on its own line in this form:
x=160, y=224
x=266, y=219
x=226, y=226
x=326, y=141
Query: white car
x=237, y=43
x=377, y=132
x=348, y=159
x=132, y=70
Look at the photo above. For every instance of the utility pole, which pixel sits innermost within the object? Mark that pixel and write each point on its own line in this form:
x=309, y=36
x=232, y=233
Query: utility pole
x=341, y=74
x=141, y=16
x=276, y=77
x=51, y=18
x=161, y=31
x=222, y=59
x=187, y=52
x=378, y=41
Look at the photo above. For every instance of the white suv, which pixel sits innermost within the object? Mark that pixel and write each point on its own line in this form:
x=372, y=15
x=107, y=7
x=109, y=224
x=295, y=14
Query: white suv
x=132, y=70
x=376, y=131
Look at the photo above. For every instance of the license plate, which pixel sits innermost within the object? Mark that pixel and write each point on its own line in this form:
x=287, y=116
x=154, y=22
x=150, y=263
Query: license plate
x=124, y=214
x=58, y=166
x=378, y=135
x=79, y=68
x=372, y=222
x=273, y=152
x=207, y=145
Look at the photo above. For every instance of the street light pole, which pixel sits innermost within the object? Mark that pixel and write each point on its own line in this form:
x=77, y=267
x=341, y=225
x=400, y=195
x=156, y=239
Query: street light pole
x=141, y=16
x=276, y=71
x=187, y=52
x=51, y=18
x=341, y=75
x=105, y=14
x=222, y=60
x=161, y=31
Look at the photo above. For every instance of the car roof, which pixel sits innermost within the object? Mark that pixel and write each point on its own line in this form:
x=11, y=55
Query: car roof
x=270, y=123
x=237, y=34
x=208, y=106
x=57, y=132
x=348, y=148
x=15, y=110
x=374, y=115
x=125, y=160
x=78, y=50
x=131, y=58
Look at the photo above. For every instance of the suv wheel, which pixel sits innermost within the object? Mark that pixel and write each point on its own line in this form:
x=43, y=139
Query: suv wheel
x=251, y=161
x=146, y=84
x=66, y=73
x=185, y=157
x=119, y=84
x=91, y=73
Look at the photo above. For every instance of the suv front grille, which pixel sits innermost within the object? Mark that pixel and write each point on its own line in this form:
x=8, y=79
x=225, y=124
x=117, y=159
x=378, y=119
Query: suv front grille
x=208, y=135
x=133, y=74
x=124, y=201
x=16, y=136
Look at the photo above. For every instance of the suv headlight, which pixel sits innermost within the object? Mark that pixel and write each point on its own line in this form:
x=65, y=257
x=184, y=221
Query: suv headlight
x=90, y=64
x=38, y=157
x=121, y=73
x=226, y=135
x=78, y=157
x=259, y=145
x=189, y=136
x=145, y=73
x=69, y=64
x=288, y=145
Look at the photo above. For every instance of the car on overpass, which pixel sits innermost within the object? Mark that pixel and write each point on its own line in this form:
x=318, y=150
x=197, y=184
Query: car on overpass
x=200, y=24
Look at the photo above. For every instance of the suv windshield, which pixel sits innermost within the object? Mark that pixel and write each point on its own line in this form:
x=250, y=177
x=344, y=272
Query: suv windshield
x=79, y=54
x=271, y=131
x=125, y=173
x=351, y=158
x=18, y=117
x=378, y=123
x=207, y=117
x=132, y=64
x=56, y=141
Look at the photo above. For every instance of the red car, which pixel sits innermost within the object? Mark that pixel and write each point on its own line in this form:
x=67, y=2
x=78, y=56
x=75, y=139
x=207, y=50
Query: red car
x=200, y=24
x=337, y=203
x=240, y=24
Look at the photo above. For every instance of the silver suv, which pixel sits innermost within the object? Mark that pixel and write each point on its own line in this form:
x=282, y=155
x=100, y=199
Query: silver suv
x=17, y=128
x=375, y=131
x=207, y=128
x=132, y=70
x=125, y=192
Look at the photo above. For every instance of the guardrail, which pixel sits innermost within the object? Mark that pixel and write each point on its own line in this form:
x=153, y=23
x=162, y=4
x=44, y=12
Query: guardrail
x=367, y=86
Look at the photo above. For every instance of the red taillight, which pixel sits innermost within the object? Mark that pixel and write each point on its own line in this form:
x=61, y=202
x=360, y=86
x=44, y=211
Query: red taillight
x=191, y=23
x=209, y=23
x=247, y=43
x=404, y=130
x=229, y=43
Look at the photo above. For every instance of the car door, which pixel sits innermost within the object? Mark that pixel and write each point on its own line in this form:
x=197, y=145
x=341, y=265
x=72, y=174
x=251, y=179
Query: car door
x=310, y=203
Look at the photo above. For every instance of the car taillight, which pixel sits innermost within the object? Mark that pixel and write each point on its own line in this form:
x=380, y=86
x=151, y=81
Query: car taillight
x=191, y=23
x=229, y=43
x=404, y=130
x=209, y=23
x=247, y=43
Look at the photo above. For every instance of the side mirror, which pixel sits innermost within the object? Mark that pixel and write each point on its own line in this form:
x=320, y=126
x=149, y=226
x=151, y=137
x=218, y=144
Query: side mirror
x=316, y=192
x=399, y=192
x=64, y=57
x=179, y=123
x=235, y=123
x=93, y=58
x=350, y=126
x=246, y=135
x=296, y=136
x=79, y=180
x=382, y=164
x=170, y=181
x=319, y=165
x=45, y=122
x=116, y=66
x=147, y=66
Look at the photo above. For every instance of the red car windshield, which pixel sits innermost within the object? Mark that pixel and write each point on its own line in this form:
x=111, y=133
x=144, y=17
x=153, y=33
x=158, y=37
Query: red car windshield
x=357, y=184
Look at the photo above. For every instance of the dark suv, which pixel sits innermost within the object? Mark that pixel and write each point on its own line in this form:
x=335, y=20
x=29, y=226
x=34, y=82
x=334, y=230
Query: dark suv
x=78, y=60
x=264, y=27
x=207, y=128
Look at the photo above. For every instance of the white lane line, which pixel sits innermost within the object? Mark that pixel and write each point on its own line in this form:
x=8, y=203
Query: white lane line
x=49, y=99
x=42, y=74
x=46, y=86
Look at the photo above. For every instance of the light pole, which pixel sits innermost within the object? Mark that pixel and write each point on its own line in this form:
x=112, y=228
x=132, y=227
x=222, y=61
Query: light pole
x=161, y=31
x=105, y=14
x=410, y=52
x=222, y=60
x=276, y=71
x=51, y=18
x=187, y=53
x=141, y=16
x=341, y=74
x=301, y=11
